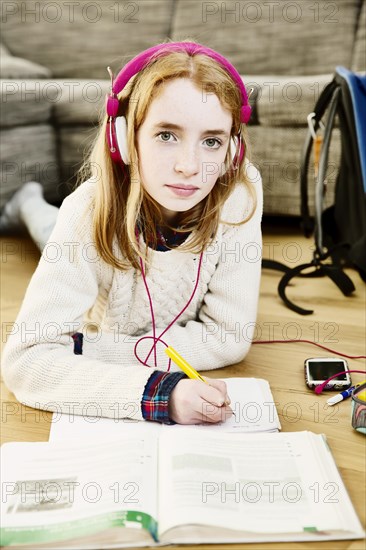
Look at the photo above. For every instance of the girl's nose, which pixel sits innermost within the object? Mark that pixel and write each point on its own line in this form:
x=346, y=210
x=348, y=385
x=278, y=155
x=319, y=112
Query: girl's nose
x=187, y=162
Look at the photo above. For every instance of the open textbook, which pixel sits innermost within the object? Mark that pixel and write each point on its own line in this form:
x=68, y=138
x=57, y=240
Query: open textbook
x=251, y=401
x=184, y=486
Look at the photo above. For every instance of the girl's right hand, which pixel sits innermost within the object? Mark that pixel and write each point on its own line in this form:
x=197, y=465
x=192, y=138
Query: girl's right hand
x=193, y=402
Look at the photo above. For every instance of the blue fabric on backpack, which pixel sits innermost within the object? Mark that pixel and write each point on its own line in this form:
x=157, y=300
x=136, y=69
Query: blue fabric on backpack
x=357, y=88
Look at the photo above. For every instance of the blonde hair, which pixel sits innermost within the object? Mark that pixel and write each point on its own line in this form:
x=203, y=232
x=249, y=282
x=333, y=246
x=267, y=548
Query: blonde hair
x=121, y=201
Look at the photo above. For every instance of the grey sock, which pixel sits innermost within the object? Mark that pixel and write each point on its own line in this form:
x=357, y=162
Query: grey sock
x=11, y=215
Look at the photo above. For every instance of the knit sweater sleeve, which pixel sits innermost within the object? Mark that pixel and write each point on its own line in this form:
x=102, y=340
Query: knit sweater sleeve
x=39, y=365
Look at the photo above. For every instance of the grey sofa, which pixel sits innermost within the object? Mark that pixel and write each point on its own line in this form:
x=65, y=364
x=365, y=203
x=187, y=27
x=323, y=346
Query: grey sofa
x=54, y=76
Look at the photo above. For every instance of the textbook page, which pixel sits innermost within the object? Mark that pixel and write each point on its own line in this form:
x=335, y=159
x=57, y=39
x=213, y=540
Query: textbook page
x=255, y=487
x=58, y=491
x=251, y=401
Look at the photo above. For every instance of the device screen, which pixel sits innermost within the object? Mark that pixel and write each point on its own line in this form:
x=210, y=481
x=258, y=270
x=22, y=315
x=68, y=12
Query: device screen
x=322, y=370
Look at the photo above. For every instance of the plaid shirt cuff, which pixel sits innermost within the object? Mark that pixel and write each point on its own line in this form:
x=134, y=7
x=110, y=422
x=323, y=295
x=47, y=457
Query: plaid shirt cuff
x=155, y=399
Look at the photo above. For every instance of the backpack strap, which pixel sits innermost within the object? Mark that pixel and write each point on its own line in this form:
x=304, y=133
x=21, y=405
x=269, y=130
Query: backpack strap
x=339, y=278
x=273, y=264
x=283, y=285
x=319, y=110
x=323, y=166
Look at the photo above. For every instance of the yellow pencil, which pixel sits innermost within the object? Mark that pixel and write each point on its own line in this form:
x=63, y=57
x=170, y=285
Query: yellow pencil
x=184, y=366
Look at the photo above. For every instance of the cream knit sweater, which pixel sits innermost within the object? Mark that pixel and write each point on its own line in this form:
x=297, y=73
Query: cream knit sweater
x=71, y=285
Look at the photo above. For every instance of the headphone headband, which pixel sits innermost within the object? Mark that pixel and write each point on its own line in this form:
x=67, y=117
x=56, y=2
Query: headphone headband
x=139, y=62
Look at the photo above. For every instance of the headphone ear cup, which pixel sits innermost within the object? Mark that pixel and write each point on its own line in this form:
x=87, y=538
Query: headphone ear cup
x=121, y=135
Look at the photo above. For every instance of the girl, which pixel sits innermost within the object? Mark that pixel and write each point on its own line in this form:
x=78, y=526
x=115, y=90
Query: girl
x=160, y=246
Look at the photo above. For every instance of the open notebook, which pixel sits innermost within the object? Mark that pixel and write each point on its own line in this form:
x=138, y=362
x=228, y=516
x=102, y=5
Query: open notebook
x=182, y=486
x=251, y=401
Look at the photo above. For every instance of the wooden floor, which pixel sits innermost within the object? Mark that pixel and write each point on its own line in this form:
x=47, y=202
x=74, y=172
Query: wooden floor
x=337, y=322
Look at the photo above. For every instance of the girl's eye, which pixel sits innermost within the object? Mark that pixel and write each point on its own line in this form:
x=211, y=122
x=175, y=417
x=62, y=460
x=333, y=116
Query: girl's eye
x=214, y=140
x=165, y=134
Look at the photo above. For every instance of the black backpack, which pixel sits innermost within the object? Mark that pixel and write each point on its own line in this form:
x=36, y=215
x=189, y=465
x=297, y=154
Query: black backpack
x=340, y=230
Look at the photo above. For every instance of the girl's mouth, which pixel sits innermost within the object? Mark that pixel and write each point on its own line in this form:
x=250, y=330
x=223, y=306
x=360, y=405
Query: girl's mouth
x=183, y=190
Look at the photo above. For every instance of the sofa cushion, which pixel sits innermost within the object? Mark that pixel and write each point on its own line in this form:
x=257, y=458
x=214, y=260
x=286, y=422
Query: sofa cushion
x=286, y=100
x=25, y=102
x=281, y=37
x=28, y=153
x=277, y=154
x=71, y=101
x=16, y=67
x=359, y=52
x=79, y=39
x=74, y=143
x=79, y=101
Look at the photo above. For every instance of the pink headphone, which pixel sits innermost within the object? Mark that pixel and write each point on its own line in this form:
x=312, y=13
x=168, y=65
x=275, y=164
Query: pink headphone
x=117, y=126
